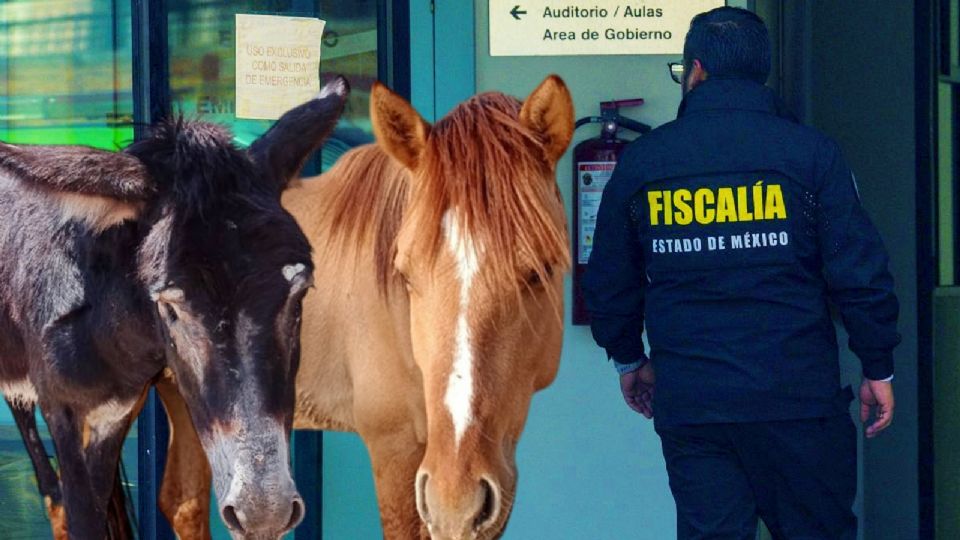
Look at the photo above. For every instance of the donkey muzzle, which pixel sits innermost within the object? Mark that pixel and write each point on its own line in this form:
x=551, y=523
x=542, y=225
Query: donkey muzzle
x=263, y=509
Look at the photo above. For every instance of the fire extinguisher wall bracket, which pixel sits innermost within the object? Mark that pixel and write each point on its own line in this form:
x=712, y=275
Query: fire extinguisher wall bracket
x=593, y=163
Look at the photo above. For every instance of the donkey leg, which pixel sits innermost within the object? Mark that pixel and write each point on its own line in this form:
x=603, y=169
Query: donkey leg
x=85, y=519
x=103, y=442
x=47, y=479
x=102, y=460
x=185, y=492
x=395, y=459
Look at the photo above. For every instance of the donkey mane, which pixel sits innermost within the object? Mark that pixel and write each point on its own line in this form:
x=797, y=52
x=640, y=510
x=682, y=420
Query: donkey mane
x=480, y=162
x=196, y=164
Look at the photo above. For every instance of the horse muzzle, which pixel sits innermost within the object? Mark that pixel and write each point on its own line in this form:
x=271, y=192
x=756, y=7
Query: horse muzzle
x=468, y=512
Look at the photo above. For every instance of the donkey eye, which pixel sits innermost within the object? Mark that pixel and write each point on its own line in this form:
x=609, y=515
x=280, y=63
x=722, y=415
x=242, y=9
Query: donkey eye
x=171, y=295
x=169, y=301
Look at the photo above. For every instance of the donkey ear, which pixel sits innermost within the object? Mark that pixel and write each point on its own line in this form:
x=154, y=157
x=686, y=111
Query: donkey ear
x=399, y=129
x=284, y=148
x=548, y=112
x=97, y=187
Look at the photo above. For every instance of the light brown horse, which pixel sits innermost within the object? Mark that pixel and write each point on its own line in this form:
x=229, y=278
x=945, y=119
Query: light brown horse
x=439, y=257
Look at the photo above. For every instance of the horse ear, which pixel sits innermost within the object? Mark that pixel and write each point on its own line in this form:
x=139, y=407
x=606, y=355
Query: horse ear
x=96, y=187
x=285, y=147
x=399, y=129
x=548, y=112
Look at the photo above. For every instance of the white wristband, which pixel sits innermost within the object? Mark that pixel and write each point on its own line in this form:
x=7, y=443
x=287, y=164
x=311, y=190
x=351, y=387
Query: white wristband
x=623, y=369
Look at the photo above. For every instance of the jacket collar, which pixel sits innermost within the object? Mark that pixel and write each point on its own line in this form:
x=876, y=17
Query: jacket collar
x=723, y=93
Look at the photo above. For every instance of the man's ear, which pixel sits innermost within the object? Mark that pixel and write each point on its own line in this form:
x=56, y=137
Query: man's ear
x=697, y=75
x=400, y=130
x=284, y=148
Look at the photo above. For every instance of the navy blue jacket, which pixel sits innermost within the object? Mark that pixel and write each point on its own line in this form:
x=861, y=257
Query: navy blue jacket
x=728, y=231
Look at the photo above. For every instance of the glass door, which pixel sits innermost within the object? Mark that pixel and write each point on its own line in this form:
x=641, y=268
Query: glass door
x=358, y=42
x=203, y=61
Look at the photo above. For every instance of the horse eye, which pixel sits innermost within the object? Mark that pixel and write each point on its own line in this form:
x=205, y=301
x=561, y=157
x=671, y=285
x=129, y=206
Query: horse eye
x=171, y=313
x=534, y=277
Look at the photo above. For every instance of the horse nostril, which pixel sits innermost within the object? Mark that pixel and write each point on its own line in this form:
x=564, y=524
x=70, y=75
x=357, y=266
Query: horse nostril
x=297, y=515
x=490, y=509
x=421, y=492
x=230, y=518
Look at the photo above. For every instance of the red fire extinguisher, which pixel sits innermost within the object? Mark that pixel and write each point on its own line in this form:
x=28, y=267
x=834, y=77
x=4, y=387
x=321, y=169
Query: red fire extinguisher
x=593, y=163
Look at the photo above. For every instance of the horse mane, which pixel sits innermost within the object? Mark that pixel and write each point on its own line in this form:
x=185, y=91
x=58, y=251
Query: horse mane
x=481, y=162
x=195, y=164
x=500, y=186
x=368, y=204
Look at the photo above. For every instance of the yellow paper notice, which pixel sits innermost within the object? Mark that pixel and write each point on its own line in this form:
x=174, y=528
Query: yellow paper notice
x=553, y=28
x=278, y=64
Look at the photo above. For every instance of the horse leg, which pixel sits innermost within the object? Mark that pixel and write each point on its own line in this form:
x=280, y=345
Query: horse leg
x=85, y=518
x=47, y=479
x=185, y=491
x=395, y=459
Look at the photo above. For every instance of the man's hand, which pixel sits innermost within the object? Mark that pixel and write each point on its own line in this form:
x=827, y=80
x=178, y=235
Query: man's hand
x=879, y=395
x=637, y=388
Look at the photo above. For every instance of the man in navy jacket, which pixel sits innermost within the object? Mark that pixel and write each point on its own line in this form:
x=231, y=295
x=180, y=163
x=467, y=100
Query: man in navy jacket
x=728, y=232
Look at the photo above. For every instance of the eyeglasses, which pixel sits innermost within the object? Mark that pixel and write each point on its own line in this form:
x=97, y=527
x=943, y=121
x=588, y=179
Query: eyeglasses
x=676, y=71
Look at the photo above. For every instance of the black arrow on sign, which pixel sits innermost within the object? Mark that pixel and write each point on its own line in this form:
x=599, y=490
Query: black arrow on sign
x=517, y=13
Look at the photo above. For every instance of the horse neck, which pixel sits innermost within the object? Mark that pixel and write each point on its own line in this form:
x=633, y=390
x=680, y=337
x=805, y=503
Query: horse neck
x=352, y=327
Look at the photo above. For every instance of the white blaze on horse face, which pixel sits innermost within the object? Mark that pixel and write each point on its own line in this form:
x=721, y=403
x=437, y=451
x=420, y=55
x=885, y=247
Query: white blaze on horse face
x=459, y=395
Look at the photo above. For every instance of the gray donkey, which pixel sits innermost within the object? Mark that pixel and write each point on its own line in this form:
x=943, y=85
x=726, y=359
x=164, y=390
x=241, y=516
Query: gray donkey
x=173, y=254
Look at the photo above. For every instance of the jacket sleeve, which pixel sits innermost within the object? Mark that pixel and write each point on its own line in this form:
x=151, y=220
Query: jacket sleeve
x=856, y=267
x=614, y=282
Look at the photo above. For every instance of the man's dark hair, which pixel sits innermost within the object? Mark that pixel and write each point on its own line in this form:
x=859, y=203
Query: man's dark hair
x=729, y=42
